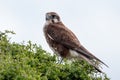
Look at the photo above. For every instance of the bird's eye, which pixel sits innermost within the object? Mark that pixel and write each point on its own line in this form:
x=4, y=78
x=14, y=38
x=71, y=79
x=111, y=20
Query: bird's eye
x=53, y=16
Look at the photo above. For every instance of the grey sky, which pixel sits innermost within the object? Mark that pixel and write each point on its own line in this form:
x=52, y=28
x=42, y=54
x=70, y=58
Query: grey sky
x=95, y=22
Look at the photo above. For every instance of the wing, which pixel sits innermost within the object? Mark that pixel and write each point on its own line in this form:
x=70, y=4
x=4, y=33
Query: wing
x=62, y=35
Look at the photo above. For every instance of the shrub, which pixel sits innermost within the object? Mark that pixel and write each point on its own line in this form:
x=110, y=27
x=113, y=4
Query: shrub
x=20, y=61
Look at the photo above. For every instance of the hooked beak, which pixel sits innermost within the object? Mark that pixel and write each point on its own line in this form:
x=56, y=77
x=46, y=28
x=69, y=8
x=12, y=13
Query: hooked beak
x=48, y=16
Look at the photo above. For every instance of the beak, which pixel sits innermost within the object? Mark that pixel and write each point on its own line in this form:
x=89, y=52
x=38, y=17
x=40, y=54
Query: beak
x=48, y=16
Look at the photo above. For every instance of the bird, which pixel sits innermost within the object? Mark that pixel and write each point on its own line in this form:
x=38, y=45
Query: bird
x=64, y=42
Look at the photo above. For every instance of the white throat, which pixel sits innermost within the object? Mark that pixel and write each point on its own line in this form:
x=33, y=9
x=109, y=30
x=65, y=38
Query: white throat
x=55, y=20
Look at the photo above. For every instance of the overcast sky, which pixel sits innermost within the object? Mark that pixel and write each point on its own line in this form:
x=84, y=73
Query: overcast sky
x=96, y=23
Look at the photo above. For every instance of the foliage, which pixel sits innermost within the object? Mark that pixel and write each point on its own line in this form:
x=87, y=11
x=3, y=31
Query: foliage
x=20, y=61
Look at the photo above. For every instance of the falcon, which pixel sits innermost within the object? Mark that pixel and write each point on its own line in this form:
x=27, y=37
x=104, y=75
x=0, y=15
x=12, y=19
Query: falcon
x=64, y=43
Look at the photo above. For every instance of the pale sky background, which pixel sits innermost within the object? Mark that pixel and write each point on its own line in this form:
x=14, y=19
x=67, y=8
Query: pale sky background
x=96, y=23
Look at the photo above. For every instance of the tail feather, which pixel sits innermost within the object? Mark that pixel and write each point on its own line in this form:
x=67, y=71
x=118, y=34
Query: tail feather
x=89, y=57
x=92, y=56
x=90, y=62
x=87, y=54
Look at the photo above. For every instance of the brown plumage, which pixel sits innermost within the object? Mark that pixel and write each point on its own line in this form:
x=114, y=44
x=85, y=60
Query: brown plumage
x=63, y=41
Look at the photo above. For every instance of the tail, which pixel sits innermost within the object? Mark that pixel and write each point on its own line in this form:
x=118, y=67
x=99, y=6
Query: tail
x=89, y=57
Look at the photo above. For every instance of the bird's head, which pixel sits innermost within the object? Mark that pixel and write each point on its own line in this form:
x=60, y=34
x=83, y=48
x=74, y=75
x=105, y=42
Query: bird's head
x=52, y=17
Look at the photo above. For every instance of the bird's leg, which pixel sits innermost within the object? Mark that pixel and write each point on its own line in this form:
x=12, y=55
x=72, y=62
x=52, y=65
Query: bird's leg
x=60, y=60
